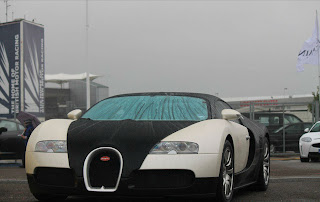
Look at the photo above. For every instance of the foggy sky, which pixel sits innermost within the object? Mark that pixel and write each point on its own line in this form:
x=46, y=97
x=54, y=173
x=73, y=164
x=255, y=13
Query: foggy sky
x=233, y=48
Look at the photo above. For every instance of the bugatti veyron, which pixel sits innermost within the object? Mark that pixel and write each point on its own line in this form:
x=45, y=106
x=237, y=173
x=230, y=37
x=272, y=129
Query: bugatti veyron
x=146, y=145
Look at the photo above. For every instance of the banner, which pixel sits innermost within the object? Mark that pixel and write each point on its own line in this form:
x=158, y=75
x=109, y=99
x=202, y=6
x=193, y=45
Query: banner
x=34, y=83
x=10, y=76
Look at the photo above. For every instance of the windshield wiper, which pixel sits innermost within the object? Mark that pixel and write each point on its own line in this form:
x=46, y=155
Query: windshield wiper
x=128, y=120
x=86, y=118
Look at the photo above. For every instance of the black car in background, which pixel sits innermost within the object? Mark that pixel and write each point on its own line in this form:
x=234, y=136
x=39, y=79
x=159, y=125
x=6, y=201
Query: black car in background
x=12, y=146
x=293, y=132
x=274, y=121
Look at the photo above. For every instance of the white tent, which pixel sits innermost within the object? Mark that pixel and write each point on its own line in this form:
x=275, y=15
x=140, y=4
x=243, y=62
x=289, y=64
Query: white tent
x=64, y=78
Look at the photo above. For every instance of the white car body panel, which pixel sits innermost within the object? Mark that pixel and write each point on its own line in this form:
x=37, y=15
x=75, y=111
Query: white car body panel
x=54, y=129
x=42, y=159
x=186, y=162
x=210, y=143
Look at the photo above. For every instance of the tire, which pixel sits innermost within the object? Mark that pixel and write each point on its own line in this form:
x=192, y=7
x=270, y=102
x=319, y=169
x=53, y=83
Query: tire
x=314, y=159
x=304, y=159
x=264, y=167
x=23, y=158
x=49, y=197
x=226, y=176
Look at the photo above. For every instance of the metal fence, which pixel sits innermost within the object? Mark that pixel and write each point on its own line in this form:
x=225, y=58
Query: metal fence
x=285, y=121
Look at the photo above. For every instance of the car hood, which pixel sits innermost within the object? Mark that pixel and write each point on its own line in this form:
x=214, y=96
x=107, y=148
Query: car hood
x=134, y=140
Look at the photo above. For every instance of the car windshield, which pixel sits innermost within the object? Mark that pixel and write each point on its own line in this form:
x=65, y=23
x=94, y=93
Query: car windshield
x=316, y=128
x=162, y=107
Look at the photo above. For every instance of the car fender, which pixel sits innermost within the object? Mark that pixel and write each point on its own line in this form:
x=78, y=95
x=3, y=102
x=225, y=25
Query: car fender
x=54, y=129
x=210, y=135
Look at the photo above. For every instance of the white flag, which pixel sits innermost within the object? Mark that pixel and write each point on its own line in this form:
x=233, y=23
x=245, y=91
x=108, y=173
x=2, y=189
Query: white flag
x=309, y=51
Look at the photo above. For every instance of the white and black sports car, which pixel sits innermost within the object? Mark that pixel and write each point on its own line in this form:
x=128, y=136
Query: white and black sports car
x=146, y=145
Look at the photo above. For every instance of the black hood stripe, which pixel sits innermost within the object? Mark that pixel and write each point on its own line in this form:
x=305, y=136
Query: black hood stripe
x=133, y=139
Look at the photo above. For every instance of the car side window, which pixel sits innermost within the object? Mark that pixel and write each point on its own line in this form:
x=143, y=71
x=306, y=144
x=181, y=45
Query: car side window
x=220, y=105
x=293, y=129
x=268, y=120
x=11, y=126
x=290, y=119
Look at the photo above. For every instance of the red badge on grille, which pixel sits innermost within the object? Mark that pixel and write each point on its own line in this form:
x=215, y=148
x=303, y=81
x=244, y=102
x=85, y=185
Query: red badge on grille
x=105, y=158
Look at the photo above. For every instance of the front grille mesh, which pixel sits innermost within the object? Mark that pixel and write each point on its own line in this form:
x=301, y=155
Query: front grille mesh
x=104, y=173
x=169, y=179
x=316, y=145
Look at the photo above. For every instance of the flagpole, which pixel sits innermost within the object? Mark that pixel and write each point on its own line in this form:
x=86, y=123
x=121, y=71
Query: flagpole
x=87, y=56
x=318, y=52
x=317, y=27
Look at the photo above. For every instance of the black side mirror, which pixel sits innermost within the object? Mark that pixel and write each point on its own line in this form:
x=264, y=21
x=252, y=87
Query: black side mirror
x=3, y=129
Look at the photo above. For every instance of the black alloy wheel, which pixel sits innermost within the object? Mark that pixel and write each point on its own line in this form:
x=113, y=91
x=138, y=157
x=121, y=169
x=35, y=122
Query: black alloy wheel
x=264, y=174
x=226, y=176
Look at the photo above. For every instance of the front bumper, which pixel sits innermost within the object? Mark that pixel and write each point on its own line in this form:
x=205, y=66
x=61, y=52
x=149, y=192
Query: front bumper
x=203, y=165
x=65, y=183
x=191, y=175
x=309, y=150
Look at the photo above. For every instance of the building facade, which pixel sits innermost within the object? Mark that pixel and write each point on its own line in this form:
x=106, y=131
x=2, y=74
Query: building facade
x=60, y=101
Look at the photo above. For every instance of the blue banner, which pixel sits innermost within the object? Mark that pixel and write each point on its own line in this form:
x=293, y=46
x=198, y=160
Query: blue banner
x=34, y=70
x=10, y=76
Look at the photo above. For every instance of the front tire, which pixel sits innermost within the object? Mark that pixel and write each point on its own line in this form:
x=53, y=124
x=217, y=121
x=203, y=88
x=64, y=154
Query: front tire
x=304, y=159
x=264, y=174
x=225, y=183
x=314, y=159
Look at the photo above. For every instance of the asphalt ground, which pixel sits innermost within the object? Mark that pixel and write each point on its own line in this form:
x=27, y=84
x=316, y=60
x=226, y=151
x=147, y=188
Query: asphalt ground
x=291, y=181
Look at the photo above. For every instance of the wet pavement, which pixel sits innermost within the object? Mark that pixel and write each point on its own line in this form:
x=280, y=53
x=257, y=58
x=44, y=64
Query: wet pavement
x=291, y=180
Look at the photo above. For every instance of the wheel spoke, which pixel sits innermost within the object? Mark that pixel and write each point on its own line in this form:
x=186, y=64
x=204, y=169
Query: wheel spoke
x=225, y=189
x=230, y=171
x=226, y=157
x=266, y=156
x=266, y=153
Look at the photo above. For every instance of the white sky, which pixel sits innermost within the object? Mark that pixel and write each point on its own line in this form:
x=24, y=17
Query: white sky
x=234, y=48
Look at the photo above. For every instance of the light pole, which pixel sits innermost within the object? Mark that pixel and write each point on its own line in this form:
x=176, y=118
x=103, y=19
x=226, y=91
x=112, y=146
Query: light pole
x=87, y=55
x=284, y=129
x=7, y=6
x=284, y=92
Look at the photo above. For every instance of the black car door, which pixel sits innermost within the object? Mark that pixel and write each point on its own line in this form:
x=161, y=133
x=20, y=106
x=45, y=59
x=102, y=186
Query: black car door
x=12, y=145
x=293, y=134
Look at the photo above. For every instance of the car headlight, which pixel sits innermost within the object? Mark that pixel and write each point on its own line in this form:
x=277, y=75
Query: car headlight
x=306, y=139
x=52, y=146
x=175, y=148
